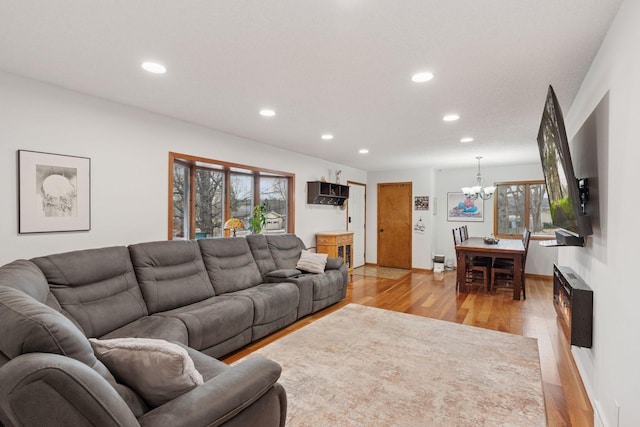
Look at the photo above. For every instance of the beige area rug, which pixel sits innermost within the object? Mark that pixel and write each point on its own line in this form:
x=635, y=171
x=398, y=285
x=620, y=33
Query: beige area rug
x=381, y=272
x=363, y=366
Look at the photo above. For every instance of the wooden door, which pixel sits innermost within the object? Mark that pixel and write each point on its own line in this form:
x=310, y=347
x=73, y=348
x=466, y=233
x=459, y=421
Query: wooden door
x=356, y=208
x=394, y=224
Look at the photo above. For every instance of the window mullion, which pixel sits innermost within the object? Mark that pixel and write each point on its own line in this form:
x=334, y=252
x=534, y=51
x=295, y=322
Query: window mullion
x=192, y=202
x=527, y=205
x=256, y=189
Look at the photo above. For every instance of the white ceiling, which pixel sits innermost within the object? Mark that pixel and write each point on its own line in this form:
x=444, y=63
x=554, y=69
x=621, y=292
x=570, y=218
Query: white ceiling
x=337, y=66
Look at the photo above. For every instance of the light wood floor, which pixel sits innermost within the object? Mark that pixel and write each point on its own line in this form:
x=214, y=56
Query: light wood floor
x=434, y=295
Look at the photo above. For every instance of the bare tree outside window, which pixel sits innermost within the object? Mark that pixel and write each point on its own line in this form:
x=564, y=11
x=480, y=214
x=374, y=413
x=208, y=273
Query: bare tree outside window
x=520, y=205
x=511, y=209
x=205, y=193
x=273, y=195
x=180, y=201
x=537, y=193
x=241, y=197
x=209, y=203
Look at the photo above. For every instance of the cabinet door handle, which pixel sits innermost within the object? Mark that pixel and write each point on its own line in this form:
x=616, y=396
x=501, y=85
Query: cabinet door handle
x=381, y=230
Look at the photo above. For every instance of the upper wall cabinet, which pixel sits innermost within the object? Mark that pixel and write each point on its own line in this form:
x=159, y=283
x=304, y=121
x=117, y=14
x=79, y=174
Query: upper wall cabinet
x=326, y=193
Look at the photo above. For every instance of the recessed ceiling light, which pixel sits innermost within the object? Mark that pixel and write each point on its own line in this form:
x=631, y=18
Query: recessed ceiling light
x=154, y=67
x=327, y=136
x=422, y=77
x=466, y=139
x=363, y=151
x=267, y=112
x=451, y=117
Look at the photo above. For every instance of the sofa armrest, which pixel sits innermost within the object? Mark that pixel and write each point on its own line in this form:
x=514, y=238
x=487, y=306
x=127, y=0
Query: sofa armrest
x=334, y=263
x=221, y=398
x=54, y=390
x=284, y=273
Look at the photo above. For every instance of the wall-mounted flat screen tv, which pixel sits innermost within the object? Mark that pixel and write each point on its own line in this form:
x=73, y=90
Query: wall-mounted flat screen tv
x=567, y=208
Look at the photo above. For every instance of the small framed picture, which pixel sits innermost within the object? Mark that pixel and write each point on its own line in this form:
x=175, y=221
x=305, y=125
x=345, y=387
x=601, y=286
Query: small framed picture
x=461, y=208
x=54, y=192
x=421, y=203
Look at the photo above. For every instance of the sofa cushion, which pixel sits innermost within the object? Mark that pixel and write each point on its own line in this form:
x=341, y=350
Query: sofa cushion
x=37, y=328
x=334, y=263
x=229, y=263
x=97, y=287
x=31, y=327
x=271, y=301
x=285, y=249
x=159, y=327
x=170, y=273
x=275, y=305
x=311, y=262
x=327, y=285
x=27, y=277
x=261, y=253
x=214, y=320
x=158, y=370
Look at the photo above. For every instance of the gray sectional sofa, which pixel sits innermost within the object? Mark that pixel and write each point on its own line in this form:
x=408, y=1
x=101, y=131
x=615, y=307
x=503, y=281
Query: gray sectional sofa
x=210, y=296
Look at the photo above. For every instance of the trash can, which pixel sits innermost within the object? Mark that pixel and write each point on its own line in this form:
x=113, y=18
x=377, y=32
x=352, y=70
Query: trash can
x=438, y=263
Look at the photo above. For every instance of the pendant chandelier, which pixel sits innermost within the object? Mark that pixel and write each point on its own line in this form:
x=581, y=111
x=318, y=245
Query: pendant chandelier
x=479, y=190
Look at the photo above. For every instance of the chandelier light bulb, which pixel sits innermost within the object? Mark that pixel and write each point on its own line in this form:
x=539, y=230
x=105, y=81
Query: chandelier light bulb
x=479, y=190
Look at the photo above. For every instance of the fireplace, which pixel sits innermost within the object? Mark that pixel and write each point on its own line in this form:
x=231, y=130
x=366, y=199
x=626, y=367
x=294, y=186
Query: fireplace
x=573, y=301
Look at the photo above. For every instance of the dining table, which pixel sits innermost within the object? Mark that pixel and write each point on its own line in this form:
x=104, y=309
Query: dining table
x=504, y=248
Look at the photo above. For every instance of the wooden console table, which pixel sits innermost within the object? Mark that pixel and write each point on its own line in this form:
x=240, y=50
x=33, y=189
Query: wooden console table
x=336, y=244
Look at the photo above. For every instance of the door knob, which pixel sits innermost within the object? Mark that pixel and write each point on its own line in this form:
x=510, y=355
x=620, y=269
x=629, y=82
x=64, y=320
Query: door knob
x=381, y=230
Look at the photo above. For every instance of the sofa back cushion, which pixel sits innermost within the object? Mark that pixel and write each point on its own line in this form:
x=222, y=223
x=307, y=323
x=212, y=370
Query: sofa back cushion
x=285, y=250
x=261, y=253
x=27, y=277
x=229, y=263
x=97, y=287
x=31, y=327
x=171, y=274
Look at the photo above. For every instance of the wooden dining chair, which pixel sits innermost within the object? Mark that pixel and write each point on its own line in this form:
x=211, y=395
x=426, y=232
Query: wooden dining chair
x=503, y=269
x=457, y=236
x=464, y=233
x=478, y=269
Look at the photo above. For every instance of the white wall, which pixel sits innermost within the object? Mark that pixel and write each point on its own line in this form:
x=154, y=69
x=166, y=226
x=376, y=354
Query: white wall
x=422, y=185
x=437, y=238
x=539, y=259
x=129, y=166
x=609, y=262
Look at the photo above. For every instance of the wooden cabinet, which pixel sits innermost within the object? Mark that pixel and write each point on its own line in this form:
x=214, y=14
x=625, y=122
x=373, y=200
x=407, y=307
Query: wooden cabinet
x=573, y=301
x=326, y=193
x=336, y=244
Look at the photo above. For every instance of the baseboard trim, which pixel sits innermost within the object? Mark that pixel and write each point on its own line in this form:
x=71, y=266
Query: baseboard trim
x=598, y=414
x=430, y=270
x=538, y=276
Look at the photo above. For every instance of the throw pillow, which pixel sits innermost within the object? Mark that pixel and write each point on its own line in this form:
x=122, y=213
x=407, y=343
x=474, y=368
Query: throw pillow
x=159, y=371
x=311, y=262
